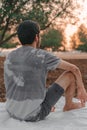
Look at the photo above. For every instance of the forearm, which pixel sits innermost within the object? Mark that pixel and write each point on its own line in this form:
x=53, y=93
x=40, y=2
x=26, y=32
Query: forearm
x=78, y=77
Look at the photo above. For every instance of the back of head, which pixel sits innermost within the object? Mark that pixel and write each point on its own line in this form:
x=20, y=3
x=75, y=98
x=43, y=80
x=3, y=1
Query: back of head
x=27, y=31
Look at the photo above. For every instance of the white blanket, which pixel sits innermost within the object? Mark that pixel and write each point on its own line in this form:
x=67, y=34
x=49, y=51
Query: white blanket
x=58, y=120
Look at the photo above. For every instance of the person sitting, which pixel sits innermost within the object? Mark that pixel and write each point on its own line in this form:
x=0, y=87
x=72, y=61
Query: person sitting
x=25, y=72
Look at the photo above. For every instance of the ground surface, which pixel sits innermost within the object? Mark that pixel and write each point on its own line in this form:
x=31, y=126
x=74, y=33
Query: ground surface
x=78, y=59
x=58, y=120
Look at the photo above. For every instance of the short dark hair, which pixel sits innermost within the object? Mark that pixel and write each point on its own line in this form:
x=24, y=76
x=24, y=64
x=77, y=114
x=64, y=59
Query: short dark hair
x=27, y=31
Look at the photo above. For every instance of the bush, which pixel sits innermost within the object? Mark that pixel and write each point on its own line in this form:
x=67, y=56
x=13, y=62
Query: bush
x=82, y=47
x=8, y=45
x=52, y=38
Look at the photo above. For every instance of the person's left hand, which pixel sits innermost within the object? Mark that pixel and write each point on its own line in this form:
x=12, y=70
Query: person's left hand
x=53, y=109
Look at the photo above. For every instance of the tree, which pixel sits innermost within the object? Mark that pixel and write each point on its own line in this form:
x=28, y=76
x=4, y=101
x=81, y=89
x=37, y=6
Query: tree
x=12, y=12
x=52, y=38
x=82, y=35
x=75, y=41
x=79, y=39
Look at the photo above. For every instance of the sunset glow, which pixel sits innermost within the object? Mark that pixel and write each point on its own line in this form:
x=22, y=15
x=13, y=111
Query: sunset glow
x=81, y=13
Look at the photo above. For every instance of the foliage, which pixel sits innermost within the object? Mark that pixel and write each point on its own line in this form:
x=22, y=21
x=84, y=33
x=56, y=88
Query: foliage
x=74, y=41
x=12, y=12
x=82, y=47
x=8, y=45
x=79, y=39
x=52, y=38
x=82, y=35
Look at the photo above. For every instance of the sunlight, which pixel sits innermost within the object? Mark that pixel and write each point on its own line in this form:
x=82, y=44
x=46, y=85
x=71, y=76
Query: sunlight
x=69, y=31
x=81, y=13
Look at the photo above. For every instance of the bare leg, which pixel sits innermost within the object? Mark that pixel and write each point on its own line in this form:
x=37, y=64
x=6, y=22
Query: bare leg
x=67, y=81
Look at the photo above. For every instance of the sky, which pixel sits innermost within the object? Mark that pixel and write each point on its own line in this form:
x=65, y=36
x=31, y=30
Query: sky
x=81, y=13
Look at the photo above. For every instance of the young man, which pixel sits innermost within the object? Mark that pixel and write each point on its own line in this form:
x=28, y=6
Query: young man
x=25, y=71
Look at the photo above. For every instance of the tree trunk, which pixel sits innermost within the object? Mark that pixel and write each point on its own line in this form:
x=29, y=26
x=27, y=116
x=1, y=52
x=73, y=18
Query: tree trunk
x=7, y=39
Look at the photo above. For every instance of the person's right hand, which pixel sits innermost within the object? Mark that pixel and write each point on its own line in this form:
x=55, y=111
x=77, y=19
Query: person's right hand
x=82, y=95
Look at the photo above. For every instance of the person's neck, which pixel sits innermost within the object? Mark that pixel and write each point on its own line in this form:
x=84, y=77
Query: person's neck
x=31, y=45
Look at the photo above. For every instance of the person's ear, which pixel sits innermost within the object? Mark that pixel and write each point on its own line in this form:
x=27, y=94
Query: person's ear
x=36, y=38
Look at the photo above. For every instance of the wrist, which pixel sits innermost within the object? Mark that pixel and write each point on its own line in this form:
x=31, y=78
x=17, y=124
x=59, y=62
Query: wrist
x=80, y=88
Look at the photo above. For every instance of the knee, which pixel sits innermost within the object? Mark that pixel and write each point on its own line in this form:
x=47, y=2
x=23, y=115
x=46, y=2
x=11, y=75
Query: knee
x=66, y=79
x=70, y=76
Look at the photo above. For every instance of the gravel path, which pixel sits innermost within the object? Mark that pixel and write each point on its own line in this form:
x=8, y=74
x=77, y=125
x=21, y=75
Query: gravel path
x=71, y=55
